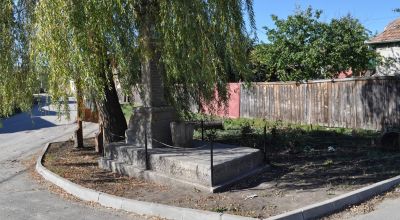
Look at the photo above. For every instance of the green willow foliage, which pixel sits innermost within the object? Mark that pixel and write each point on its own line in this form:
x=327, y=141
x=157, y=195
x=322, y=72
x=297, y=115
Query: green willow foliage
x=202, y=42
x=81, y=40
x=198, y=42
x=7, y=57
x=17, y=83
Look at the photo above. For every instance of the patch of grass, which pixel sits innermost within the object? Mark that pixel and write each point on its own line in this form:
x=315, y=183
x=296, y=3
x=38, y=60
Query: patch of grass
x=219, y=209
x=281, y=136
x=59, y=170
x=127, y=110
x=328, y=162
x=331, y=193
x=49, y=158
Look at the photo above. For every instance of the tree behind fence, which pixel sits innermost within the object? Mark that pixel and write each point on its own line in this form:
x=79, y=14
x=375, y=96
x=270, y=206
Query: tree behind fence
x=368, y=103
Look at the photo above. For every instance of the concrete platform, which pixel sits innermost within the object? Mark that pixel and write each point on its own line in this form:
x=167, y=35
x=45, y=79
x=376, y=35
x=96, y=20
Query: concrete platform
x=186, y=166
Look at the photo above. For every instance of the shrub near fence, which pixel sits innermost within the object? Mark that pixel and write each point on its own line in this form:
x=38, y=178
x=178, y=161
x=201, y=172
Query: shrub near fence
x=368, y=103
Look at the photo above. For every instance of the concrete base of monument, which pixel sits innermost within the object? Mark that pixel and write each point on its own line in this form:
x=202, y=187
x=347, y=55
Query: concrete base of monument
x=154, y=121
x=186, y=167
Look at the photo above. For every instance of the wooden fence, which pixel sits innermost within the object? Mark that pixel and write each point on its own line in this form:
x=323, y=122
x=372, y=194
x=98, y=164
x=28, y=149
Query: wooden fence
x=368, y=103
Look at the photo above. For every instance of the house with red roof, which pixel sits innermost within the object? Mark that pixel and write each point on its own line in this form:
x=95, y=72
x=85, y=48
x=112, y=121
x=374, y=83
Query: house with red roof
x=387, y=44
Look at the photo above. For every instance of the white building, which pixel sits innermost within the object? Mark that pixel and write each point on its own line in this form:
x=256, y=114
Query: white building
x=387, y=44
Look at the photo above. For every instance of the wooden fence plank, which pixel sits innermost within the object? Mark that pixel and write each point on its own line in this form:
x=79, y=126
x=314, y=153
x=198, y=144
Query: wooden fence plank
x=369, y=103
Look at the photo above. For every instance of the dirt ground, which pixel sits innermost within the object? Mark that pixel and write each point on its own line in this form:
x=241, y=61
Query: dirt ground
x=294, y=180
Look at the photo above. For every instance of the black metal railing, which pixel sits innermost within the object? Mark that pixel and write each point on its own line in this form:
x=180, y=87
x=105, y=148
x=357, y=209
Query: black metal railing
x=212, y=161
x=211, y=143
x=146, y=153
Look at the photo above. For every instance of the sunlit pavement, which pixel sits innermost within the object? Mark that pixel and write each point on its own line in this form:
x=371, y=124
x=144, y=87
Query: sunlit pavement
x=23, y=135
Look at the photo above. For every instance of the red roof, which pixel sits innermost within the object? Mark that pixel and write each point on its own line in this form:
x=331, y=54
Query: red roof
x=389, y=35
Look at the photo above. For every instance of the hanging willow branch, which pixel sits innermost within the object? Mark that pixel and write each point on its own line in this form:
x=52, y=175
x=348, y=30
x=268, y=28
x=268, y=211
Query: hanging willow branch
x=199, y=43
x=17, y=82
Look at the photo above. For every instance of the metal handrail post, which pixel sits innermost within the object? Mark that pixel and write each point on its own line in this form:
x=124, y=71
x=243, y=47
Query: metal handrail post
x=202, y=130
x=145, y=151
x=265, y=143
x=212, y=161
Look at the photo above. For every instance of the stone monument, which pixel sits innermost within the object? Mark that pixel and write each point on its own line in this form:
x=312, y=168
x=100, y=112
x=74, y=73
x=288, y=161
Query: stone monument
x=155, y=116
x=190, y=167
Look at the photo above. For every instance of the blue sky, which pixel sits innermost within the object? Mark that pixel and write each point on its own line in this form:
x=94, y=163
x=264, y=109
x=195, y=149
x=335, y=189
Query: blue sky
x=373, y=14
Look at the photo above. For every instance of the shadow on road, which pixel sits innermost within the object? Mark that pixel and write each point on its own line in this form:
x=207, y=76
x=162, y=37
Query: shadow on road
x=29, y=120
x=13, y=176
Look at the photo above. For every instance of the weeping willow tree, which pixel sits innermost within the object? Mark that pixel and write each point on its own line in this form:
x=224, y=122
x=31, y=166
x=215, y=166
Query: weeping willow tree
x=17, y=83
x=194, y=44
x=201, y=42
x=7, y=57
x=86, y=42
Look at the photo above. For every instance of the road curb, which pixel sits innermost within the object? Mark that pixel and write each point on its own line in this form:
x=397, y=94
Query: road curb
x=340, y=202
x=170, y=212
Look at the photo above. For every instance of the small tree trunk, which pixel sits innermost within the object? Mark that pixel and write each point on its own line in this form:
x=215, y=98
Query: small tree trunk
x=78, y=133
x=99, y=140
x=110, y=114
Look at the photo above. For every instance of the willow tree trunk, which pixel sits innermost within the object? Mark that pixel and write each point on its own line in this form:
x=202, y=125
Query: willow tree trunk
x=110, y=113
x=78, y=133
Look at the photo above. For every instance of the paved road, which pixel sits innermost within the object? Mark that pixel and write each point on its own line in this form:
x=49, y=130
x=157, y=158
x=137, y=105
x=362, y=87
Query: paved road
x=22, y=198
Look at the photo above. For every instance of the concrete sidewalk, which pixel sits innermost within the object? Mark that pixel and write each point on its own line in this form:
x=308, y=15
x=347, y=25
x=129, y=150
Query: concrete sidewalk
x=389, y=209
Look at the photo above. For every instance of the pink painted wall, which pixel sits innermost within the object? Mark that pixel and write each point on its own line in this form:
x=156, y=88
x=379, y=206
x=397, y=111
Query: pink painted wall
x=234, y=100
x=232, y=109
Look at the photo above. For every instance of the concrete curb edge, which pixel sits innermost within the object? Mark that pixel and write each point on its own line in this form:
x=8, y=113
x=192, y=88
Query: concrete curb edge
x=338, y=203
x=170, y=212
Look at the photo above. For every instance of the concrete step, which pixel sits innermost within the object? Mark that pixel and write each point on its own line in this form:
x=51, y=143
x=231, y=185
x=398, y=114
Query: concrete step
x=111, y=165
x=177, y=166
x=190, y=165
x=104, y=163
x=195, y=165
x=111, y=151
x=120, y=167
x=127, y=154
